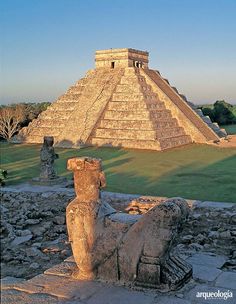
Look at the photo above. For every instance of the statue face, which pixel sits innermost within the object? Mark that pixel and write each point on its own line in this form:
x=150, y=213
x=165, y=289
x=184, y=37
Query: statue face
x=88, y=176
x=84, y=163
x=48, y=141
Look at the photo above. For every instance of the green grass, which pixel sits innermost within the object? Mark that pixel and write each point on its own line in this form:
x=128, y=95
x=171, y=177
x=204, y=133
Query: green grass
x=196, y=171
x=230, y=129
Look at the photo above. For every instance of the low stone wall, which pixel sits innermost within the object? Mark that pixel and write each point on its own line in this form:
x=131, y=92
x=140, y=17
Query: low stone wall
x=34, y=234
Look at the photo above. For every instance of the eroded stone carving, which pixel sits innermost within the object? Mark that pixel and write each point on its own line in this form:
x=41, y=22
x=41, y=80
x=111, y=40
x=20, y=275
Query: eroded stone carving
x=47, y=158
x=48, y=174
x=122, y=247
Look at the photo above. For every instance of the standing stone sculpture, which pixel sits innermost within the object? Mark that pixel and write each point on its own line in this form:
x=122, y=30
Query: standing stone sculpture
x=121, y=247
x=48, y=174
x=47, y=158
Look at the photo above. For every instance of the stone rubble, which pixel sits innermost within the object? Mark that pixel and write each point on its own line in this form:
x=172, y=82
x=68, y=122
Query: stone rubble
x=33, y=232
x=210, y=228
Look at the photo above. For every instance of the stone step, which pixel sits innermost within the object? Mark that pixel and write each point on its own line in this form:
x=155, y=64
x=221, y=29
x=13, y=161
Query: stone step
x=172, y=142
x=120, y=115
x=125, y=134
x=192, y=105
x=169, y=132
x=34, y=139
x=126, y=124
x=137, y=115
x=199, y=112
x=70, y=96
x=221, y=133
x=129, y=106
x=78, y=89
x=140, y=124
x=135, y=88
x=135, y=96
x=214, y=126
x=157, y=115
x=64, y=101
x=38, y=138
x=184, y=98
x=163, y=123
x=207, y=119
x=135, y=144
x=45, y=132
x=49, y=124
x=61, y=106
x=132, y=79
x=132, y=71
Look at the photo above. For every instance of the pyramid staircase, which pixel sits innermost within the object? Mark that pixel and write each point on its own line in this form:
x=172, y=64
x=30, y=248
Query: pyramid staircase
x=136, y=118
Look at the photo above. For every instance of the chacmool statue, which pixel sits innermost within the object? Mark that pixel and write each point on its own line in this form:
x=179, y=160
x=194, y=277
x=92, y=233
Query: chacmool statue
x=122, y=247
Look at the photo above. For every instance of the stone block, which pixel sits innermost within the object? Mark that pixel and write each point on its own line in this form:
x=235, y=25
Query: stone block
x=14, y=296
x=227, y=279
x=205, y=273
x=170, y=300
x=148, y=273
x=120, y=295
x=64, y=269
x=216, y=261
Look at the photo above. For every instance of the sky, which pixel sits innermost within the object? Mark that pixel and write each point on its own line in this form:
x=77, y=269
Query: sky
x=47, y=45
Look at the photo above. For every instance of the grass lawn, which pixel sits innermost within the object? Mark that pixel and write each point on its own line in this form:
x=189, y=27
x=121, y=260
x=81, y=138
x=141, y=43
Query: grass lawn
x=196, y=171
x=230, y=129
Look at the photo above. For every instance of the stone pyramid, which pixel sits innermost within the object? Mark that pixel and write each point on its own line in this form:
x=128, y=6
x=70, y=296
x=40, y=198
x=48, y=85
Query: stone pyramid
x=122, y=103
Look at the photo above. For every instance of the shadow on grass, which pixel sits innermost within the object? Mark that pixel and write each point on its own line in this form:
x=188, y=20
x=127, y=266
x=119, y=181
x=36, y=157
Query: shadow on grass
x=195, y=172
x=215, y=182
x=23, y=162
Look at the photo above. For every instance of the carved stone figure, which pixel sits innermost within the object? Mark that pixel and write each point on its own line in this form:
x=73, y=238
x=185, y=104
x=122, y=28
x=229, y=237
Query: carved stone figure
x=122, y=247
x=47, y=158
x=48, y=174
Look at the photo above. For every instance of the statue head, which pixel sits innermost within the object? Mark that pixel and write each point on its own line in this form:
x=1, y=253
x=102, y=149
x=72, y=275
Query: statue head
x=89, y=177
x=48, y=141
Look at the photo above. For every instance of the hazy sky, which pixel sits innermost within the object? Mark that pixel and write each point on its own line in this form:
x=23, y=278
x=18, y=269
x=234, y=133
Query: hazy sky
x=47, y=45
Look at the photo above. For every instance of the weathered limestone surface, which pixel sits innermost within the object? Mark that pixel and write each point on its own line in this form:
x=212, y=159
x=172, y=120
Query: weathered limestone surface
x=119, y=246
x=58, y=287
x=122, y=103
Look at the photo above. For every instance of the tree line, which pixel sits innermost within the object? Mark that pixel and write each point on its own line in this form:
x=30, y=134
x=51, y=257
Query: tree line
x=16, y=116
x=221, y=112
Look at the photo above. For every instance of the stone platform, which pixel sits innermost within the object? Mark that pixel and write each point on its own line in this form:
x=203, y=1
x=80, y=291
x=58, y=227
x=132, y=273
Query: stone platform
x=57, y=286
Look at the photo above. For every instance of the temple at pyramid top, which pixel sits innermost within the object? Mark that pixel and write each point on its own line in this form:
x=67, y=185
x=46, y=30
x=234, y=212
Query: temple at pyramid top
x=122, y=103
x=114, y=58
